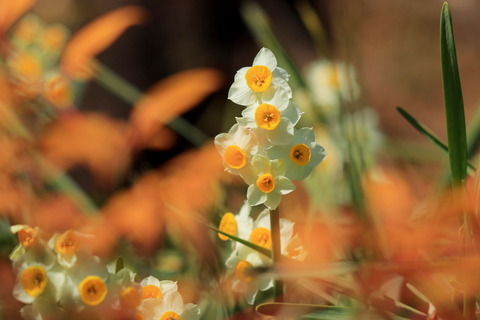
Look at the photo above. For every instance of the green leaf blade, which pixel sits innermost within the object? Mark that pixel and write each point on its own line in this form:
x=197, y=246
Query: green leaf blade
x=453, y=98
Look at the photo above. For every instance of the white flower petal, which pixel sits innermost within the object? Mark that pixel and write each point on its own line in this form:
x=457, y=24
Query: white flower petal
x=292, y=112
x=273, y=200
x=278, y=167
x=255, y=196
x=296, y=172
x=150, y=280
x=265, y=57
x=284, y=185
x=261, y=164
x=279, y=152
x=283, y=133
x=250, y=292
x=190, y=312
x=241, y=94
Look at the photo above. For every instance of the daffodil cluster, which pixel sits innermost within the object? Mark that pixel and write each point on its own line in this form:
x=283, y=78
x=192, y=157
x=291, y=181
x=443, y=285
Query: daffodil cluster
x=32, y=62
x=58, y=276
x=243, y=259
x=264, y=147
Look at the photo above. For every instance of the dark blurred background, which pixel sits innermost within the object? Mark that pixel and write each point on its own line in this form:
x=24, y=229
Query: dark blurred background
x=393, y=44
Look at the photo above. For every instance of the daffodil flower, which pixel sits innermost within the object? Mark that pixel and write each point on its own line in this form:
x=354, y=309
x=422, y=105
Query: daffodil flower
x=301, y=155
x=244, y=280
x=35, y=279
x=238, y=225
x=237, y=147
x=28, y=237
x=242, y=260
x=171, y=307
x=262, y=81
x=153, y=288
x=86, y=284
x=270, y=183
x=128, y=293
x=67, y=246
x=273, y=122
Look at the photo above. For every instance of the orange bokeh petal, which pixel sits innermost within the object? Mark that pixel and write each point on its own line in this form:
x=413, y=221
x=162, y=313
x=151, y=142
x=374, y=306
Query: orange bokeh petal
x=97, y=36
x=10, y=11
x=93, y=140
x=171, y=97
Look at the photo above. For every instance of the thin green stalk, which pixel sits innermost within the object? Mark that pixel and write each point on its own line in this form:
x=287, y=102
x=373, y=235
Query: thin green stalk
x=126, y=91
x=276, y=251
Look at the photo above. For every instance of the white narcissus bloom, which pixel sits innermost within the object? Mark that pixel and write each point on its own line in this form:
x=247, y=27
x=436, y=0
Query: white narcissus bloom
x=270, y=182
x=28, y=237
x=153, y=288
x=237, y=147
x=35, y=278
x=171, y=307
x=273, y=122
x=85, y=284
x=259, y=82
x=67, y=246
x=244, y=258
x=238, y=225
x=301, y=155
x=128, y=293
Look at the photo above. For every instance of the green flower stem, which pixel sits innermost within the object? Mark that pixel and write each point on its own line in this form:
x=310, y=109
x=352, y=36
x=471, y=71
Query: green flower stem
x=276, y=250
x=126, y=91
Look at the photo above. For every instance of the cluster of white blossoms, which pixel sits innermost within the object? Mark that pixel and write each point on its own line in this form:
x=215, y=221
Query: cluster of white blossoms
x=264, y=147
x=268, y=152
x=243, y=259
x=58, y=276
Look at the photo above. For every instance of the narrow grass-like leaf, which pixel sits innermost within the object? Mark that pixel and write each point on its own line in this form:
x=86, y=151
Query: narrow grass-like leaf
x=426, y=132
x=453, y=99
x=253, y=246
x=310, y=311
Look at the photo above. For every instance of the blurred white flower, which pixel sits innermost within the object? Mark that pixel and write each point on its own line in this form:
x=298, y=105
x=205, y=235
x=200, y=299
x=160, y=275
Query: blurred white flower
x=332, y=83
x=260, y=82
x=171, y=307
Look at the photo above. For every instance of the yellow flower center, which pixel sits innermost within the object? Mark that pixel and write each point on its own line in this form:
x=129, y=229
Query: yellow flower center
x=170, y=315
x=54, y=37
x=267, y=116
x=27, y=236
x=34, y=280
x=93, y=290
x=67, y=243
x=130, y=298
x=27, y=66
x=228, y=224
x=334, y=77
x=57, y=91
x=258, y=78
x=235, y=157
x=262, y=237
x=151, y=291
x=266, y=183
x=242, y=271
x=300, y=154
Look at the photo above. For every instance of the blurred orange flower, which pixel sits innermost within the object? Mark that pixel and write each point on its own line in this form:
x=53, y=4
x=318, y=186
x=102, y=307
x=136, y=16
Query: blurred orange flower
x=96, y=37
x=10, y=11
x=171, y=97
x=91, y=139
